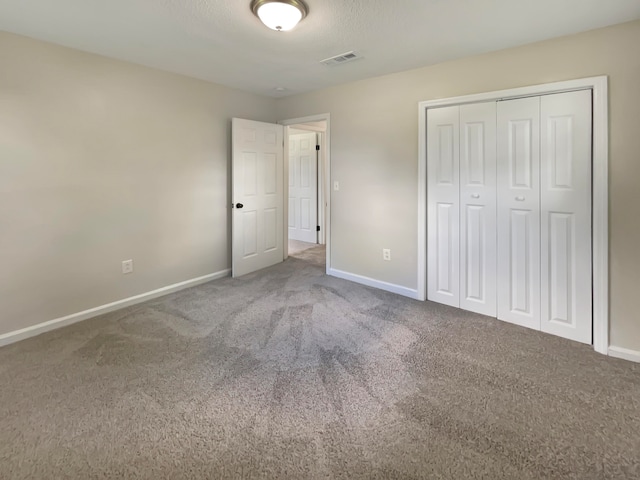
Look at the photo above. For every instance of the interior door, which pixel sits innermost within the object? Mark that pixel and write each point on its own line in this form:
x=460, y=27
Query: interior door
x=518, y=189
x=303, y=187
x=478, y=208
x=566, y=299
x=443, y=205
x=257, y=194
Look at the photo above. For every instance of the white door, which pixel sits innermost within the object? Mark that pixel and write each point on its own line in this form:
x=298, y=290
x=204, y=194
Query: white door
x=443, y=205
x=565, y=180
x=518, y=189
x=478, y=208
x=303, y=187
x=257, y=194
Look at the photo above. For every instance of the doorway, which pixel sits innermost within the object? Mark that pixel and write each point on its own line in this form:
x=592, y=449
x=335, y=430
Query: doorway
x=599, y=205
x=513, y=177
x=260, y=191
x=306, y=152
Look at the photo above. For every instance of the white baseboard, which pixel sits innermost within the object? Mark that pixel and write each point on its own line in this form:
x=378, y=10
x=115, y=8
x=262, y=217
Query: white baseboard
x=624, y=353
x=34, y=330
x=370, y=282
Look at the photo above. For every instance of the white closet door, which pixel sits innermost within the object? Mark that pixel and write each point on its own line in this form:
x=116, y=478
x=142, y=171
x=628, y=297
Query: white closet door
x=519, y=211
x=478, y=208
x=565, y=177
x=443, y=218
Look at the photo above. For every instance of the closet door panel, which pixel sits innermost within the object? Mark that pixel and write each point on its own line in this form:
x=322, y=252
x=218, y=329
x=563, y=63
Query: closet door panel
x=566, y=298
x=443, y=211
x=518, y=211
x=478, y=208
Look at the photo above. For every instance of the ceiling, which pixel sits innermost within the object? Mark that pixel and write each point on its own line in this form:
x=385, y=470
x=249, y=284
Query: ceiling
x=223, y=42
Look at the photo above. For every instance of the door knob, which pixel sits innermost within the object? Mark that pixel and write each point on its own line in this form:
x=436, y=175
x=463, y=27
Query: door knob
x=239, y=205
x=475, y=195
x=520, y=199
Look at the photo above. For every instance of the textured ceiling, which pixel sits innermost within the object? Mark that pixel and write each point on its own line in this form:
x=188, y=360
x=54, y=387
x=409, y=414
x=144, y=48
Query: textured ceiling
x=221, y=41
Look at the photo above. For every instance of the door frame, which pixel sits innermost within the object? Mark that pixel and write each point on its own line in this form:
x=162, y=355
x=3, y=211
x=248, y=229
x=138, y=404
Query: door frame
x=600, y=186
x=325, y=174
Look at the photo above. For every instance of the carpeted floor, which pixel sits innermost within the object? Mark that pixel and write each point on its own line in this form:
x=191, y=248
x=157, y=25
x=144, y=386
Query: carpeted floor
x=296, y=246
x=287, y=373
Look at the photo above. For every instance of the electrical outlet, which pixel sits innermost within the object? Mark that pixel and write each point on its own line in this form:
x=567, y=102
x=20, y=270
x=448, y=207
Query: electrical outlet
x=336, y=185
x=127, y=266
x=386, y=254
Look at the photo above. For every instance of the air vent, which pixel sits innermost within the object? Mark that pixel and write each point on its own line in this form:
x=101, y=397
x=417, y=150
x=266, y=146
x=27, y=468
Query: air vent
x=342, y=58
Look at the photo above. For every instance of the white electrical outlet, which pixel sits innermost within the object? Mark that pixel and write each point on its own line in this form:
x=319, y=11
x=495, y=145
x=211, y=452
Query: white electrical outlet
x=386, y=254
x=336, y=185
x=127, y=266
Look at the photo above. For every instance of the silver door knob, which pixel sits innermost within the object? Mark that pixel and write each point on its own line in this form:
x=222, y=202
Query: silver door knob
x=475, y=195
x=520, y=199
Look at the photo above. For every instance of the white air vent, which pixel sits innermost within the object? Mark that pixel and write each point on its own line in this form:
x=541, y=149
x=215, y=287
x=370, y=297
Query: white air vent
x=342, y=58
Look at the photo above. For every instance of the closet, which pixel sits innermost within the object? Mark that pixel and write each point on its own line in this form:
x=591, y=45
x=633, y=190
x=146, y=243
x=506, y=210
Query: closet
x=509, y=210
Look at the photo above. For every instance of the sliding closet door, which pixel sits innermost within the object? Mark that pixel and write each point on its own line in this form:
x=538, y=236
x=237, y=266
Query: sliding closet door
x=478, y=208
x=518, y=211
x=565, y=179
x=443, y=218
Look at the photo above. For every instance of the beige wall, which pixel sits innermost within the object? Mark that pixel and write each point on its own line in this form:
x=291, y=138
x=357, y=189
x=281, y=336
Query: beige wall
x=102, y=161
x=374, y=148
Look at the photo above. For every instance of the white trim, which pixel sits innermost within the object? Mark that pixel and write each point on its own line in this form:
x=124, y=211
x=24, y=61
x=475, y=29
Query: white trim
x=17, y=335
x=600, y=235
x=322, y=208
x=600, y=215
x=530, y=91
x=422, y=202
x=309, y=128
x=327, y=177
x=625, y=354
x=370, y=282
x=285, y=194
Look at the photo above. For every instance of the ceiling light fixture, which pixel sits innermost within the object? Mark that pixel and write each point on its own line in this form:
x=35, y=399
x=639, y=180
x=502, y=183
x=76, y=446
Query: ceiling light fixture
x=280, y=15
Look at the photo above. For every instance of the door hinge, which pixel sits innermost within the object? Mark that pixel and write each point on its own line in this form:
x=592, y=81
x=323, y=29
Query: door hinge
x=318, y=228
x=317, y=147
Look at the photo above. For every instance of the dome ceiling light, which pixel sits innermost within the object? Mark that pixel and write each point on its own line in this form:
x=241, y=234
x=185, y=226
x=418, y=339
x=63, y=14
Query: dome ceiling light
x=280, y=15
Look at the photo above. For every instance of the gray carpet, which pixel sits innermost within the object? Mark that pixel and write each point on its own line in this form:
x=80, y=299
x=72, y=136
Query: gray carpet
x=296, y=246
x=286, y=373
